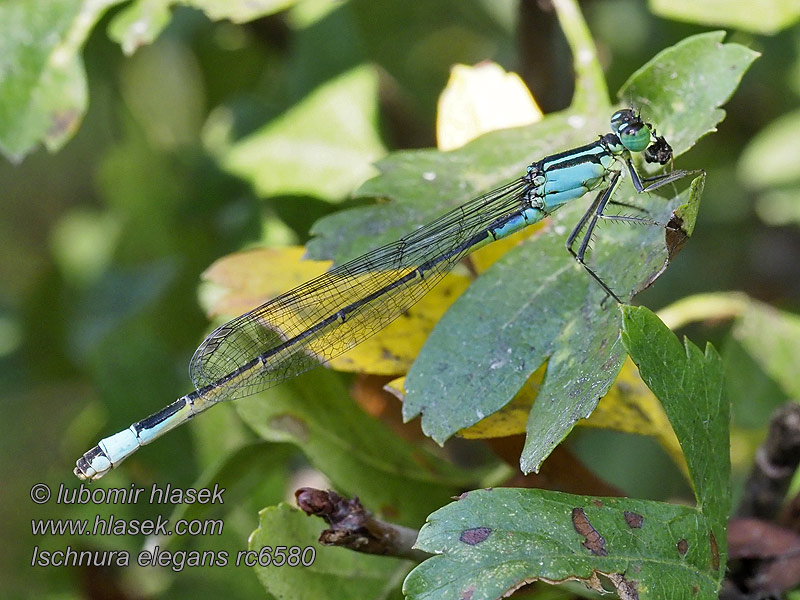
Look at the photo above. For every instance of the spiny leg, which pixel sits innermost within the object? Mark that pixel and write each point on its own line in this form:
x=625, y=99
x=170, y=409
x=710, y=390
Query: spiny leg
x=647, y=184
x=632, y=219
x=652, y=183
x=591, y=216
x=582, y=223
x=595, y=213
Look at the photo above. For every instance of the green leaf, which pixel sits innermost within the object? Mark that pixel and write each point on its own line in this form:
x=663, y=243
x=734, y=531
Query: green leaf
x=359, y=454
x=689, y=385
x=330, y=572
x=423, y=184
x=757, y=16
x=142, y=21
x=173, y=118
x=490, y=542
x=772, y=338
x=239, y=11
x=772, y=158
x=139, y=24
x=682, y=86
x=323, y=146
x=753, y=394
x=779, y=207
x=43, y=91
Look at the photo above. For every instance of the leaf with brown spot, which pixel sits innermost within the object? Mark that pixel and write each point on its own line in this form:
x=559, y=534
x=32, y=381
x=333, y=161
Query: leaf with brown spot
x=712, y=539
x=533, y=537
x=634, y=520
x=474, y=536
x=594, y=541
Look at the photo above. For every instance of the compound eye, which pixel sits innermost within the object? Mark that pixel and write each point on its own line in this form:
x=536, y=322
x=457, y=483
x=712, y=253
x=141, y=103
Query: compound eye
x=621, y=118
x=635, y=137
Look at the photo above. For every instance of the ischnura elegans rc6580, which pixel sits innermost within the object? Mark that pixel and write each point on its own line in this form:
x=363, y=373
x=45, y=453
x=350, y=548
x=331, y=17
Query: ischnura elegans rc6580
x=328, y=315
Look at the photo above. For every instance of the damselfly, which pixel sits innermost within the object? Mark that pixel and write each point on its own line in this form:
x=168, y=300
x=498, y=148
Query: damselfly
x=321, y=319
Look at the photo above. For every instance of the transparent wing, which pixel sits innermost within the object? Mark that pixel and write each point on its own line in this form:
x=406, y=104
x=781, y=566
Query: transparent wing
x=332, y=313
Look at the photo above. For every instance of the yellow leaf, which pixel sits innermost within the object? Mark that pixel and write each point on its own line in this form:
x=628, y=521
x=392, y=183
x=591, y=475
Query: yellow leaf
x=397, y=387
x=394, y=348
x=475, y=101
x=242, y=281
x=239, y=282
x=480, y=99
x=513, y=417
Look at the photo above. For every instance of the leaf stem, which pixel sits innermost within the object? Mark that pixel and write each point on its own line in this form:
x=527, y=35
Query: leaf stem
x=591, y=91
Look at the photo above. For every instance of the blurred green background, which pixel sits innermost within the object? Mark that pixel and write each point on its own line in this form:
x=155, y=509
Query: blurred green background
x=104, y=241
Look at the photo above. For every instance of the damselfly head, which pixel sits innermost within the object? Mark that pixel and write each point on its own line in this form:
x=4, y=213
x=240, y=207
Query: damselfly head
x=631, y=130
x=638, y=136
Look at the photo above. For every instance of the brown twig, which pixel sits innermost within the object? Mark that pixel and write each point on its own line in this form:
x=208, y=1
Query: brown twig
x=775, y=464
x=354, y=527
x=764, y=554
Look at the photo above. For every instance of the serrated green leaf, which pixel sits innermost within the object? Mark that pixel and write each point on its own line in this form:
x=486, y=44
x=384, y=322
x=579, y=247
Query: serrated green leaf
x=43, y=91
x=689, y=385
x=142, y=21
x=682, y=86
x=423, y=184
x=359, y=454
x=490, y=542
x=330, y=573
x=759, y=16
x=323, y=146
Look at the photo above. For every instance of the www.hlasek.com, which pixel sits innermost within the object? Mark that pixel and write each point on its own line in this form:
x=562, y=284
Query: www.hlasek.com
x=112, y=525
